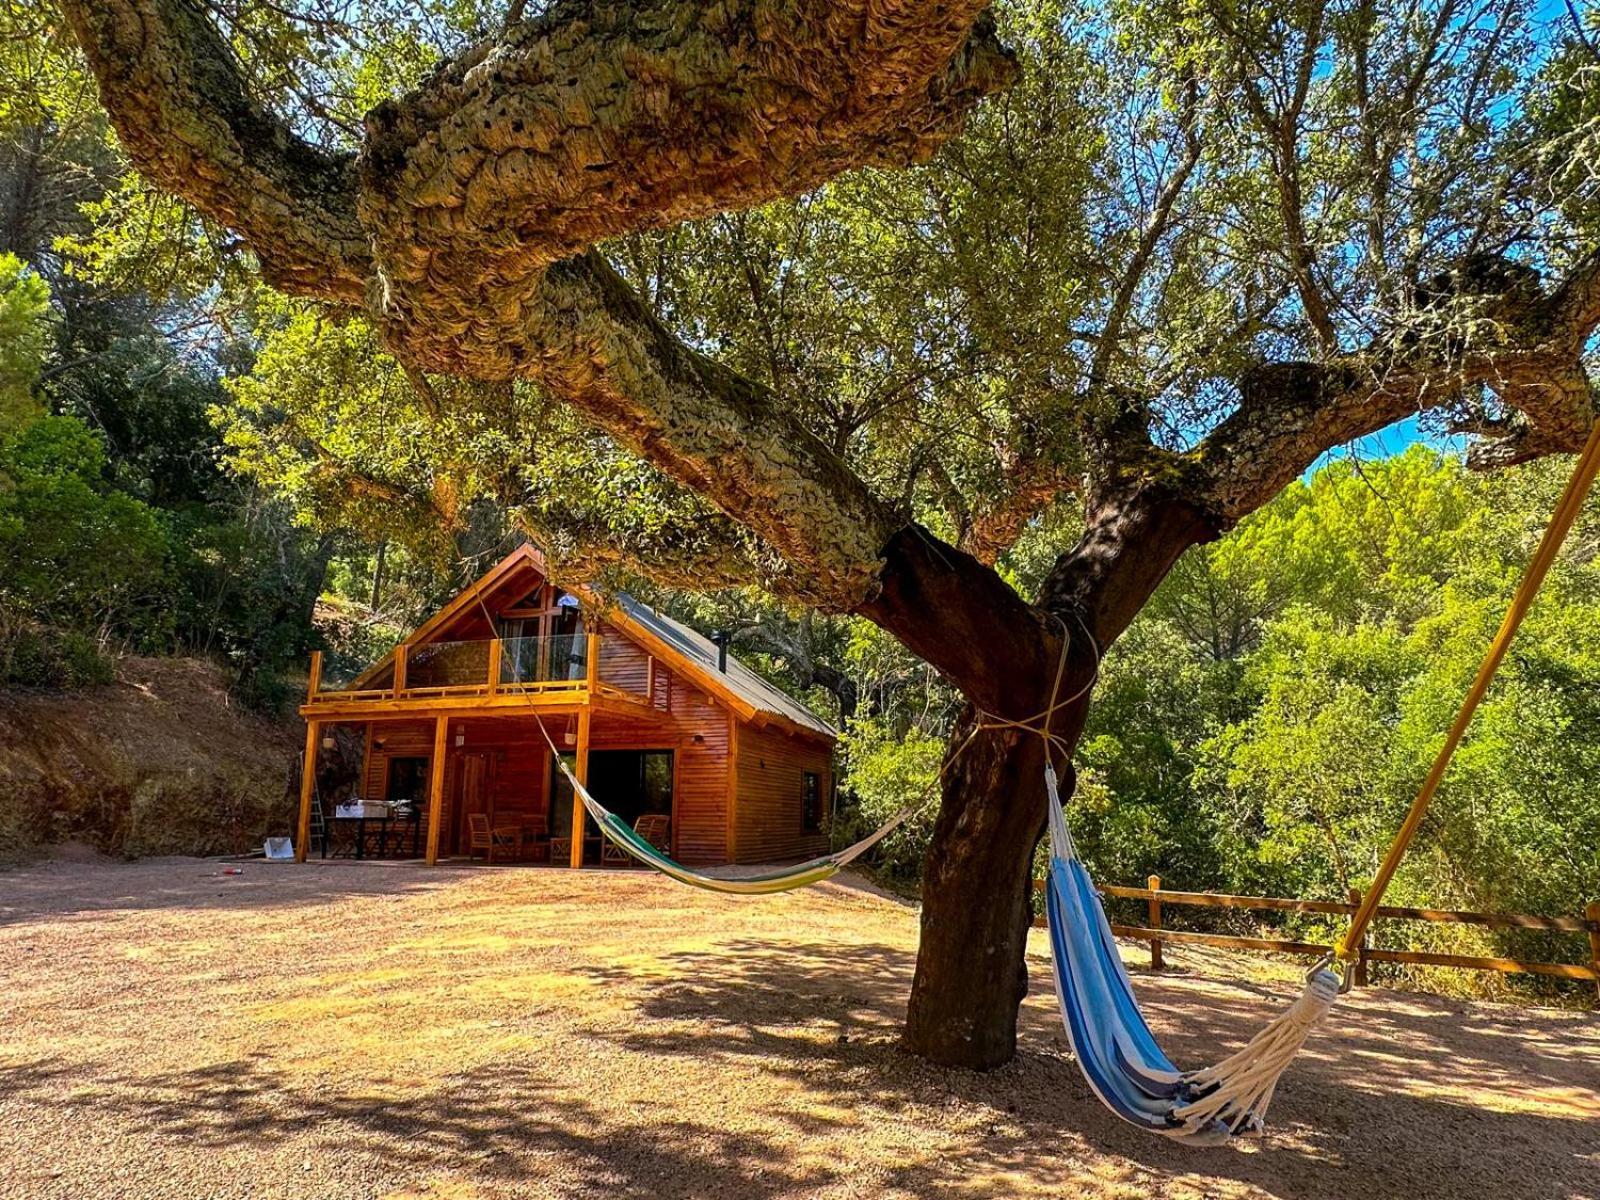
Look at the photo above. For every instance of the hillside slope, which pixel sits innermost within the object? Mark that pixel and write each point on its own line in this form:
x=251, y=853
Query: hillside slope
x=159, y=762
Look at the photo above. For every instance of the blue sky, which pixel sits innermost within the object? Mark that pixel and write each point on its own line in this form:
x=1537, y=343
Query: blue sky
x=1393, y=440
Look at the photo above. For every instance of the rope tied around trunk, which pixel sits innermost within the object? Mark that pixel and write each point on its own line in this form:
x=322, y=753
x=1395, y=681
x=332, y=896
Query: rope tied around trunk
x=1039, y=723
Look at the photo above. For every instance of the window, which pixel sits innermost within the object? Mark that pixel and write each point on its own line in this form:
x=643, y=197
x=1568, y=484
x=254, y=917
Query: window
x=407, y=780
x=811, y=802
x=630, y=783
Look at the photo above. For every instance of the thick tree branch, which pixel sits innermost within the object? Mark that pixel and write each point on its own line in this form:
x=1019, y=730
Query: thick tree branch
x=703, y=556
x=1034, y=481
x=726, y=438
x=597, y=118
x=480, y=192
x=957, y=614
x=1488, y=326
x=1136, y=526
x=181, y=107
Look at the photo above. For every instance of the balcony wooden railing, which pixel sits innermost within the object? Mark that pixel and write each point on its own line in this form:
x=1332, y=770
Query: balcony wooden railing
x=558, y=665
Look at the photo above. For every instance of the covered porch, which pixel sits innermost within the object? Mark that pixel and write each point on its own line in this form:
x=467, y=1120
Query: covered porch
x=467, y=785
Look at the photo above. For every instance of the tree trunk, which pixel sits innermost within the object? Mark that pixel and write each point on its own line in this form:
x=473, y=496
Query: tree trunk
x=977, y=888
x=977, y=898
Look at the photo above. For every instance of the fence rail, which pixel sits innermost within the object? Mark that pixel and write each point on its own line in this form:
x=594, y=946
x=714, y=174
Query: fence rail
x=1157, y=934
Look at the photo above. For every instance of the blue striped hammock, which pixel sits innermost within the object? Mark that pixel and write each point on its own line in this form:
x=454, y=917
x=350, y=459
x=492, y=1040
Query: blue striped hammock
x=1113, y=1043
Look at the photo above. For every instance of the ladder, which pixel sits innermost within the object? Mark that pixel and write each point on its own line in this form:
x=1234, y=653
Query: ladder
x=318, y=835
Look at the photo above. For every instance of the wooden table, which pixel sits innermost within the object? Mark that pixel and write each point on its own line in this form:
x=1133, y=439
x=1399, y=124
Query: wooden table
x=528, y=828
x=381, y=829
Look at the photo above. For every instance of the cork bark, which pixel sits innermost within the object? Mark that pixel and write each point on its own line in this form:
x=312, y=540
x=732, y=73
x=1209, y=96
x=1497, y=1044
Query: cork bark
x=464, y=226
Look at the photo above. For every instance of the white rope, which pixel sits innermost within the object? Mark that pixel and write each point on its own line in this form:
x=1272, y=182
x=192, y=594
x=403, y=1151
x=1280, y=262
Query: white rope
x=1243, y=1083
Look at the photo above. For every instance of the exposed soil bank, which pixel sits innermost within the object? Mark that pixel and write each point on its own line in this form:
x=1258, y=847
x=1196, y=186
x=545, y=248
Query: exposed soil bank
x=159, y=762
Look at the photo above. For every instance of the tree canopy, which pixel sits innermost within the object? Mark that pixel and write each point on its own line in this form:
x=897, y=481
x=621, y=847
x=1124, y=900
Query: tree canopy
x=966, y=321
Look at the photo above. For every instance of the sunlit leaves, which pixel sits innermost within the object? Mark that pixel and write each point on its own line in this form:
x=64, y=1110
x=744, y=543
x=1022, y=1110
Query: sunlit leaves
x=24, y=336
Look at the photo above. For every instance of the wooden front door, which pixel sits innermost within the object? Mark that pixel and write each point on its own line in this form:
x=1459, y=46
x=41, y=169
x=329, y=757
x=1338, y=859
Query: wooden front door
x=469, y=794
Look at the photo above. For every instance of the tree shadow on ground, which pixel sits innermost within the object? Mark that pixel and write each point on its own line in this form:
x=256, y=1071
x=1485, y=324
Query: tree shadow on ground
x=499, y=1123
x=794, y=1083
x=1397, y=1095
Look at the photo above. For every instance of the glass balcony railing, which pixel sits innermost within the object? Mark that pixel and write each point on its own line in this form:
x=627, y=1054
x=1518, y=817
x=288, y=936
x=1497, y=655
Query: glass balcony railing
x=441, y=666
x=558, y=658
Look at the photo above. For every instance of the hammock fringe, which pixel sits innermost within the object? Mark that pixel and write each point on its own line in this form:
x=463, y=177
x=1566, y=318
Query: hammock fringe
x=1238, y=1090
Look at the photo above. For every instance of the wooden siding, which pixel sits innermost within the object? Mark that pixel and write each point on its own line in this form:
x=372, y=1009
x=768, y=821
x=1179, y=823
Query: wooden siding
x=624, y=664
x=771, y=770
x=699, y=768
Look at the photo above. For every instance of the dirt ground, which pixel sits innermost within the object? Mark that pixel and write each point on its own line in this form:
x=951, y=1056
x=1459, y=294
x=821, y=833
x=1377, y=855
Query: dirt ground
x=349, y=1031
x=162, y=761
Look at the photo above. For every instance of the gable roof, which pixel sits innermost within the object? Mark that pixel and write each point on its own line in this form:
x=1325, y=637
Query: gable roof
x=685, y=650
x=702, y=652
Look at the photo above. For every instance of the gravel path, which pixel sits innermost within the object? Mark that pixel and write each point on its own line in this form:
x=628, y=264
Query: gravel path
x=352, y=1031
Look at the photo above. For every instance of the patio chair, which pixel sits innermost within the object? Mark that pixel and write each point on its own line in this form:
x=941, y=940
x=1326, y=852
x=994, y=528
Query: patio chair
x=489, y=839
x=536, y=836
x=654, y=828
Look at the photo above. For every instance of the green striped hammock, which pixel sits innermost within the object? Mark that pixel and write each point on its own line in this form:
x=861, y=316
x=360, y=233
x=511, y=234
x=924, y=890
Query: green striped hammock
x=785, y=879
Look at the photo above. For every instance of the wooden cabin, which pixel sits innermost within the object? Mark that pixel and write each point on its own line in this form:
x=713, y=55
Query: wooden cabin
x=656, y=720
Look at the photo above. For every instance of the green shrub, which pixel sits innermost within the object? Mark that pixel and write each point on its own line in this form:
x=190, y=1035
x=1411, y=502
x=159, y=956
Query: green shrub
x=52, y=658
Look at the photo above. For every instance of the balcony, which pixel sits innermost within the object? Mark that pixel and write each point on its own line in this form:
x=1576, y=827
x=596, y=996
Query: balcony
x=555, y=671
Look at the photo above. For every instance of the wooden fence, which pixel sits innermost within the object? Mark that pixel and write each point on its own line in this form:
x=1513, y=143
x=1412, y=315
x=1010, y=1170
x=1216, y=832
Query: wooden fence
x=1156, y=897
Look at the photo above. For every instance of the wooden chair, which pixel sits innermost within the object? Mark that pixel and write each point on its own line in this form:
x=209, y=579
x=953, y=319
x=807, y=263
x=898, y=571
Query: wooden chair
x=481, y=836
x=536, y=836
x=654, y=828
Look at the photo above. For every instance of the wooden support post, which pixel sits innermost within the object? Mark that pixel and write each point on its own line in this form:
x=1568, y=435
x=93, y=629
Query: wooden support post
x=308, y=790
x=1155, y=923
x=1592, y=915
x=591, y=665
x=1358, y=970
x=441, y=731
x=494, y=665
x=400, y=669
x=314, y=677
x=581, y=770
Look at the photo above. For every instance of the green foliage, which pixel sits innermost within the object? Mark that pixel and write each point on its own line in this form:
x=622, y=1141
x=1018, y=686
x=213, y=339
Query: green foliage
x=885, y=773
x=1290, y=759
x=75, y=553
x=52, y=659
x=1133, y=812
x=24, y=336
